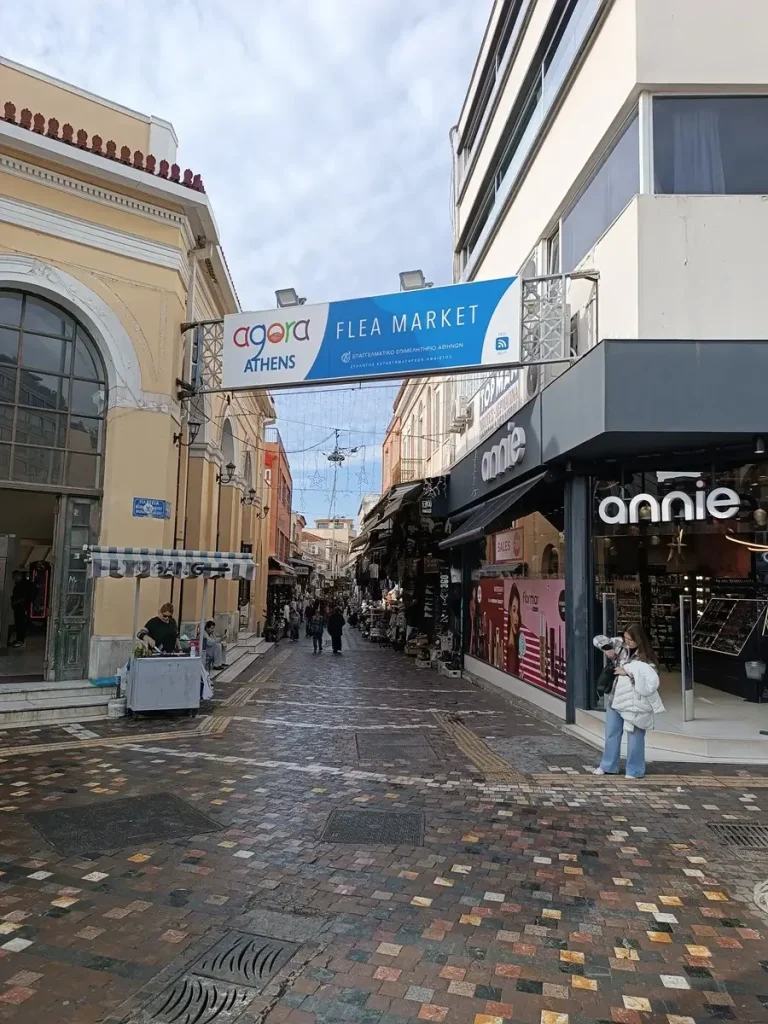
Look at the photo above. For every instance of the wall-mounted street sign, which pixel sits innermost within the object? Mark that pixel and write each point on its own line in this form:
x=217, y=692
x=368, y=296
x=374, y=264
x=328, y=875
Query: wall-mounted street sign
x=430, y=331
x=151, y=508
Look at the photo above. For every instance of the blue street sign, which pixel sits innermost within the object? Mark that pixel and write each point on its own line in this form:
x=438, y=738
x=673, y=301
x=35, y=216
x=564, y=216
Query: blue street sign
x=151, y=508
x=429, y=331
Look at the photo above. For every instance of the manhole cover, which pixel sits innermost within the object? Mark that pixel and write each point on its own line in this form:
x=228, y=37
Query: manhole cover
x=746, y=836
x=196, y=1001
x=391, y=828
x=245, y=959
x=397, y=746
x=116, y=824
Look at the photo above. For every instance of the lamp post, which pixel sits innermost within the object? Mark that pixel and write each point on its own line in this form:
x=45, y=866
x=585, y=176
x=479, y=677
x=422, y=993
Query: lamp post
x=193, y=429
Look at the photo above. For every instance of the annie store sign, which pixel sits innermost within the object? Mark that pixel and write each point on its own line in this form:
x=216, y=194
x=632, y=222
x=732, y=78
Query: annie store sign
x=505, y=455
x=720, y=503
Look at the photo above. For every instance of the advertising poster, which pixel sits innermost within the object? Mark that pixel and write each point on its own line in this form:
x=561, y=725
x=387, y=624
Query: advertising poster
x=487, y=614
x=518, y=626
x=426, y=331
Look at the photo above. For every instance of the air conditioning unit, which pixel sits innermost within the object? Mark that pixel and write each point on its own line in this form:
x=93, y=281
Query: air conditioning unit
x=458, y=423
x=469, y=412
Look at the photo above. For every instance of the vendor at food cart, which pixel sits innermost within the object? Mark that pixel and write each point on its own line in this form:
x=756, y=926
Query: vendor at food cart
x=162, y=632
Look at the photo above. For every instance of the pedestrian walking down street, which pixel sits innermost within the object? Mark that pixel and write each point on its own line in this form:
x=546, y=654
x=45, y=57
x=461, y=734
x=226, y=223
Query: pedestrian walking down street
x=336, y=628
x=631, y=699
x=293, y=624
x=316, y=627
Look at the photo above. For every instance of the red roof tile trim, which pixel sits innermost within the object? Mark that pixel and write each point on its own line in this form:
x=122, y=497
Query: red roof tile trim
x=149, y=164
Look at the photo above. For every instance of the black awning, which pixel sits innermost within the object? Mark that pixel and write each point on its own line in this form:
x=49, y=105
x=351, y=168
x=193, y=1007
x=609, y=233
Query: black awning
x=399, y=496
x=482, y=517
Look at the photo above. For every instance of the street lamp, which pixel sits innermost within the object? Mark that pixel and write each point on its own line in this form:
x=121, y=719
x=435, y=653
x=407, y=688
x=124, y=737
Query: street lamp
x=194, y=429
x=264, y=513
x=288, y=297
x=413, y=280
x=230, y=468
x=250, y=498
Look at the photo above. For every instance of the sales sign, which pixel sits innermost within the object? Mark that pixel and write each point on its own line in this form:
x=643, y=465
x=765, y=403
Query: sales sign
x=509, y=546
x=429, y=331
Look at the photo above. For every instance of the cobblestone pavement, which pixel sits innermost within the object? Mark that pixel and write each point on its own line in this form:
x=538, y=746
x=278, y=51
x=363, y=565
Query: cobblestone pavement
x=350, y=839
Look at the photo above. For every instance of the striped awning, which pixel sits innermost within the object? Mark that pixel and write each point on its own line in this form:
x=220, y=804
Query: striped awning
x=169, y=563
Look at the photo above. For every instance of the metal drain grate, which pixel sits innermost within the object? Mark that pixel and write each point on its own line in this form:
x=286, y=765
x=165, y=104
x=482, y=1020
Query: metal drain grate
x=245, y=959
x=115, y=824
x=393, y=746
x=745, y=836
x=390, y=828
x=196, y=1001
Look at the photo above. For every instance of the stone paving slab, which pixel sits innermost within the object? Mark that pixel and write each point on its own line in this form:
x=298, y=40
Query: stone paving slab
x=541, y=897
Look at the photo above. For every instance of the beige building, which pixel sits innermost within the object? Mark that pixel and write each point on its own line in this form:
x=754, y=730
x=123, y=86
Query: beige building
x=107, y=248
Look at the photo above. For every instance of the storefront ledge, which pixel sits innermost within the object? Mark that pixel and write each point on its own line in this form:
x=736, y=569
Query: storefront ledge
x=483, y=674
x=108, y=654
x=680, y=747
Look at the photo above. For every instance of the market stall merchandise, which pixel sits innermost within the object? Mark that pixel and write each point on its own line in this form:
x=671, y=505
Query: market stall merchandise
x=176, y=681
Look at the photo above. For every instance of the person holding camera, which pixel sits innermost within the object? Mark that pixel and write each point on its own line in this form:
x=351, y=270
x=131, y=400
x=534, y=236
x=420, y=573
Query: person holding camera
x=629, y=683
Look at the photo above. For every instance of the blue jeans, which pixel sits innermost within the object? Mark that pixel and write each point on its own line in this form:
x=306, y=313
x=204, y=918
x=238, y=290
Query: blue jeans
x=614, y=727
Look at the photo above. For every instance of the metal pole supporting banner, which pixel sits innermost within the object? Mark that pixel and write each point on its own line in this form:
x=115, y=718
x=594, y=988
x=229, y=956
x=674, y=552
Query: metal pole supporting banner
x=686, y=655
x=136, y=599
x=202, y=616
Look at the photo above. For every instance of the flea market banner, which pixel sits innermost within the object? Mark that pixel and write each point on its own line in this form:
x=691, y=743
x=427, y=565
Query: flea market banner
x=429, y=331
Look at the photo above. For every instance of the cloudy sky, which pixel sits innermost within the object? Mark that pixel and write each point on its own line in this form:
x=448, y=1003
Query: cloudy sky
x=320, y=128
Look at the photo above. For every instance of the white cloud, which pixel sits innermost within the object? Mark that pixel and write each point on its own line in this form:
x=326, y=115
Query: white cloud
x=320, y=128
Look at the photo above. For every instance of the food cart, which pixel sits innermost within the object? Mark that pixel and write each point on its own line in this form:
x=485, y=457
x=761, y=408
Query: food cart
x=167, y=682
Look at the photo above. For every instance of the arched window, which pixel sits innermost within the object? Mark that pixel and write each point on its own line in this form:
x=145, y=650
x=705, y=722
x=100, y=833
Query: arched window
x=550, y=561
x=53, y=396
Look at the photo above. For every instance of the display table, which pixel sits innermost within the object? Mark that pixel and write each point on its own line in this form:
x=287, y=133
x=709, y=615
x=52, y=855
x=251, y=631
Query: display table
x=163, y=684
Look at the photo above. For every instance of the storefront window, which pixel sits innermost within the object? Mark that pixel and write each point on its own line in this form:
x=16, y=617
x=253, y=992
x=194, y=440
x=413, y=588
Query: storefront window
x=517, y=600
x=659, y=536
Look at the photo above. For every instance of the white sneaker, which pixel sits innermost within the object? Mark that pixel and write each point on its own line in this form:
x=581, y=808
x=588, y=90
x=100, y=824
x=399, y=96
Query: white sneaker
x=601, y=771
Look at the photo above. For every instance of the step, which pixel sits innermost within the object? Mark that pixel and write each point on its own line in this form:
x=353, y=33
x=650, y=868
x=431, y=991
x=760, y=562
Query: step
x=27, y=704
x=682, y=747
x=241, y=658
x=52, y=691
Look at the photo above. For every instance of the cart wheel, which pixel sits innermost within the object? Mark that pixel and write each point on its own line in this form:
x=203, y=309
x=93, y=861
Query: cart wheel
x=191, y=712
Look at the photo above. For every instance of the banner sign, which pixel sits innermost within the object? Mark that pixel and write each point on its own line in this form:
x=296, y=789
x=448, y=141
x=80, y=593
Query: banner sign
x=432, y=330
x=499, y=398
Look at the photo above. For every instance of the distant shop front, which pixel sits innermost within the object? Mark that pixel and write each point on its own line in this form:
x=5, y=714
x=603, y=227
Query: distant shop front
x=636, y=478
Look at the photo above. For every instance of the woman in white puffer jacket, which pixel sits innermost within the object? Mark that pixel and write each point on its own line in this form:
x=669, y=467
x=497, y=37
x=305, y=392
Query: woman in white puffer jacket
x=633, y=701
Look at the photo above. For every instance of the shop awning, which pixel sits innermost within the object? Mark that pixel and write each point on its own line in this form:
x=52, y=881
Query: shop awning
x=399, y=496
x=475, y=527
x=278, y=568
x=169, y=563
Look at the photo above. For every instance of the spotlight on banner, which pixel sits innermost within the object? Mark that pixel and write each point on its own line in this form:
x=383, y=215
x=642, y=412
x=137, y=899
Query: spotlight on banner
x=413, y=280
x=288, y=297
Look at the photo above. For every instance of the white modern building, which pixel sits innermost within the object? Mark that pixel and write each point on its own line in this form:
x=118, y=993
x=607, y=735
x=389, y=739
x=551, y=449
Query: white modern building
x=624, y=145
x=613, y=155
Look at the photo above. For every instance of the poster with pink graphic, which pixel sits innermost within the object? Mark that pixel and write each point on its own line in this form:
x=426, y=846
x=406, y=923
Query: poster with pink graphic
x=487, y=618
x=518, y=626
x=534, y=632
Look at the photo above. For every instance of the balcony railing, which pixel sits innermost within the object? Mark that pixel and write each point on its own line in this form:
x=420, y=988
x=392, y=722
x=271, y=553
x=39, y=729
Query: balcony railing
x=272, y=435
x=407, y=471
